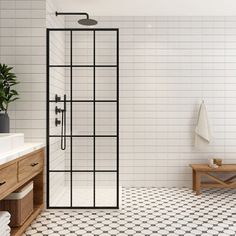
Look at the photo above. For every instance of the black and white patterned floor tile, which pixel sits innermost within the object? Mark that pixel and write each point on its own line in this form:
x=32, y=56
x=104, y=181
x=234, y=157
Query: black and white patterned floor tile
x=149, y=212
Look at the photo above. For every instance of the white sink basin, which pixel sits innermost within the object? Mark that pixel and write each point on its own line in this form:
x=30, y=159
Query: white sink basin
x=10, y=141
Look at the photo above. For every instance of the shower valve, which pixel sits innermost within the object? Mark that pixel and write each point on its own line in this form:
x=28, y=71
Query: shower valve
x=58, y=110
x=57, y=98
x=57, y=122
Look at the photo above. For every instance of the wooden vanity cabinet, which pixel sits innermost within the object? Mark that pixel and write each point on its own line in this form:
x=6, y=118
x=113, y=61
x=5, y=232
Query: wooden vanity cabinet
x=18, y=172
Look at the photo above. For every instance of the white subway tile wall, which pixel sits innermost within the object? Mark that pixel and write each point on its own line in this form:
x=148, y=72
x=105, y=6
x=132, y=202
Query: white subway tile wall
x=22, y=45
x=168, y=65
x=57, y=159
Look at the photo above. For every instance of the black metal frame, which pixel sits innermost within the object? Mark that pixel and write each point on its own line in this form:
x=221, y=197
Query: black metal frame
x=94, y=101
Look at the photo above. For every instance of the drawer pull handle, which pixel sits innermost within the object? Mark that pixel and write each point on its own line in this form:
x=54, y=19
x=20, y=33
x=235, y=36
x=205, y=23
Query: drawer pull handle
x=2, y=183
x=34, y=164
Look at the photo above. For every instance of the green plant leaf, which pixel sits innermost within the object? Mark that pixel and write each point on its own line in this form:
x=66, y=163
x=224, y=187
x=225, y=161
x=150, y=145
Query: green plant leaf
x=8, y=93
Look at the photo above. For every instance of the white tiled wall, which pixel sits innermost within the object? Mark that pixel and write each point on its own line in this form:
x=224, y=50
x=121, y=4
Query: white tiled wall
x=167, y=66
x=57, y=81
x=57, y=86
x=22, y=45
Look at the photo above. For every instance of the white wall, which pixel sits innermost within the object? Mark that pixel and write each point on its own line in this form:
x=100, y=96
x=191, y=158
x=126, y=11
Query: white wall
x=22, y=45
x=167, y=66
x=57, y=86
x=150, y=7
x=56, y=81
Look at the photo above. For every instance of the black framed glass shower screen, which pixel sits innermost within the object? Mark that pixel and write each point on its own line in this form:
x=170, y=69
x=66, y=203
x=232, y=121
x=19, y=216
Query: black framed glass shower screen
x=83, y=71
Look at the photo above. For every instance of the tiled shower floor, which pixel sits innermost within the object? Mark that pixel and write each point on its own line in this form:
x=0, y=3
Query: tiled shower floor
x=147, y=211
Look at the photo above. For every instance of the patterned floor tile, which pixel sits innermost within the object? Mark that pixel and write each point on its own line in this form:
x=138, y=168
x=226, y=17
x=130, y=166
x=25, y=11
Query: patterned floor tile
x=147, y=212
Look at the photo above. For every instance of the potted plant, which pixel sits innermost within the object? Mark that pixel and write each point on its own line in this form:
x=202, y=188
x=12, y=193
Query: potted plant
x=7, y=95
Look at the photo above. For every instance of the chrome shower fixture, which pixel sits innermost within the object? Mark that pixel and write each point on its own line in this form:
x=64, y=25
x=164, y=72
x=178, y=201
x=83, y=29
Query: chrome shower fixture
x=86, y=21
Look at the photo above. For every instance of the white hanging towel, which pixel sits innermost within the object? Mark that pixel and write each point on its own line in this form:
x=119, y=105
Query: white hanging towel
x=202, y=131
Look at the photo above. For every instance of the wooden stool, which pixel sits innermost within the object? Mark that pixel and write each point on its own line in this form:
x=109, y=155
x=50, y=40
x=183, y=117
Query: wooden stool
x=200, y=170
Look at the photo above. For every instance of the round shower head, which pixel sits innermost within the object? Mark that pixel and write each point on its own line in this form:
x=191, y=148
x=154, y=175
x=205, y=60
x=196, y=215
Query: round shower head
x=87, y=22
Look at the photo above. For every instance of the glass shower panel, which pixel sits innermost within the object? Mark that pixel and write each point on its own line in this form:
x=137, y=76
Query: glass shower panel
x=60, y=159
x=106, y=118
x=82, y=88
x=67, y=47
x=106, y=87
x=106, y=191
x=106, y=151
x=82, y=154
x=57, y=81
x=82, y=189
x=82, y=48
x=82, y=83
x=106, y=48
x=59, y=189
x=67, y=82
x=82, y=118
x=58, y=49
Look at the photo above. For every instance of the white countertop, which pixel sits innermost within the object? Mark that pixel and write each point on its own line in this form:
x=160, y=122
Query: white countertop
x=20, y=151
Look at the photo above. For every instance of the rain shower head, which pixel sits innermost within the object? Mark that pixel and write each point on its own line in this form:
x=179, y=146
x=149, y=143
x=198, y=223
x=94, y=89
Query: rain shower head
x=86, y=21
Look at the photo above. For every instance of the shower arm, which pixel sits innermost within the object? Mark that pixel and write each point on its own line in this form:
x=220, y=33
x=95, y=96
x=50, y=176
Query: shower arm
x=73, y=13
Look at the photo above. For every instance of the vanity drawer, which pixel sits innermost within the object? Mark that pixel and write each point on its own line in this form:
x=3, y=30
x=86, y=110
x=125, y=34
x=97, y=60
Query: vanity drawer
x=8, y=177
x=30, y=165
